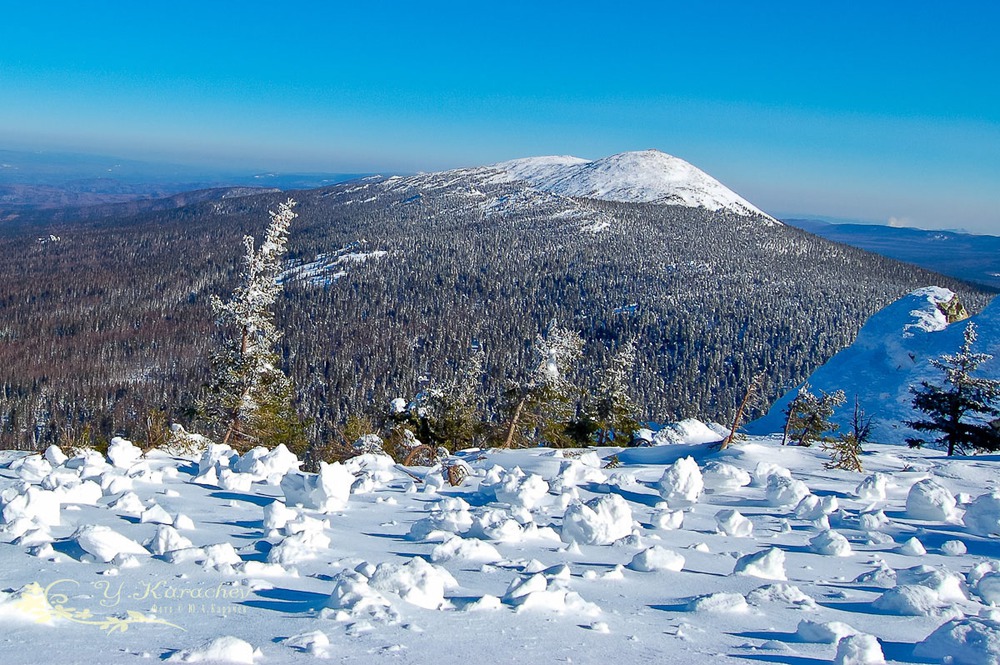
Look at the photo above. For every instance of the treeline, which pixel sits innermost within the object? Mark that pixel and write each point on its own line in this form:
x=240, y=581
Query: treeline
x=113, y=321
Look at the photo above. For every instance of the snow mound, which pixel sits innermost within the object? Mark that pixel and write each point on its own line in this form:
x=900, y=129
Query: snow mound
x=830, y=543
x=466, y=550
x=104, y=543
x=724, y=477
x=352, y=597
x=36, y=504
x=732, y=523
x=657, y=558
x=768, y=564
x=689, y=430
x=784, y=491
x=225, y=649
x=720, y=602
x=859, y=649
x=649, y=176
x=681, y=484
x=786, y=594
x=872, y=488
x=912, y=600
x=819, y=632
x=929, y=500
x=969, y=641
x=328, y=491
x=416, y=582
x=122, y=453
x=600, y=521
x=538, y=592
x=982, y=516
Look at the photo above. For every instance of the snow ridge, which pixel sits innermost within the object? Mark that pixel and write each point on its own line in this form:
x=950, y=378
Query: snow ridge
x=647, y=176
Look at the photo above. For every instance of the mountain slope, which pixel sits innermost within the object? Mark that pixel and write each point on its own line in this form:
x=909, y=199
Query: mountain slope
x=649, y=176
x=392, y=282
x=893, y=352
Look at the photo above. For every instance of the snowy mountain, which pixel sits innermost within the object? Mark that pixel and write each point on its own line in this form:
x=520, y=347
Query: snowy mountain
x=648, y=176
x=893, y=352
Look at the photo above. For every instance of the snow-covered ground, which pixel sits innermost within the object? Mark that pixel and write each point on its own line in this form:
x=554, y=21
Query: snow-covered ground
x=675, y=554
x=893, y=351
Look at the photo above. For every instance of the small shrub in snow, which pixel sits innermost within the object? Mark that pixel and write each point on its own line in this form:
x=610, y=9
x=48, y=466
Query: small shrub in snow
x=681, y=484
x=930, y=501
x=768, y=564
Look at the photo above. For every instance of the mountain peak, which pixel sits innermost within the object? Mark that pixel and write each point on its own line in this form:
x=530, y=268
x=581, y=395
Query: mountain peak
x=645, y=176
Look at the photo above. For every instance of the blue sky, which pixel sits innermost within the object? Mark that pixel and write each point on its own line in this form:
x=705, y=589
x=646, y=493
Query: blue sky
x=877, y=111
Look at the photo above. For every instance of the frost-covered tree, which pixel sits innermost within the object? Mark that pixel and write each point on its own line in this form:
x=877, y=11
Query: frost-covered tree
x=453, y=411
x=961, y=408
x=542, y=407
x=807, y=417
x=250, y=397
x=614, y=409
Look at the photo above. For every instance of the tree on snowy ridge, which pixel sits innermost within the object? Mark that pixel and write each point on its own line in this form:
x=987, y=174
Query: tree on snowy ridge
x=949, y=407
x=249, y=396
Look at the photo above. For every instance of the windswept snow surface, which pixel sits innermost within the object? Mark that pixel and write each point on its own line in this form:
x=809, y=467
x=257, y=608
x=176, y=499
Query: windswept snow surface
x=540, y=556
x=892, y=352
x=647, y=176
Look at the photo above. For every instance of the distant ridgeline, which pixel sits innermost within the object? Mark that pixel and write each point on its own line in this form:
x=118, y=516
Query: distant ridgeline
x=393, y=282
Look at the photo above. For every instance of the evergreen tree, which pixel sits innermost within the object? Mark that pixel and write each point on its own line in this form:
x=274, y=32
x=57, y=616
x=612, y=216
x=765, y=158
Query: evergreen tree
x=959, y=409
x=453, y=412
x=249, y=395
x=614, y=409
x=808, y=416
x=541, y=409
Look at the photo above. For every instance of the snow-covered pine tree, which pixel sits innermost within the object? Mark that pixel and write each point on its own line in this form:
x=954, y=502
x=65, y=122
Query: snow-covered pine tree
x=964, y=397
x=808, y=415
x=614, y=409
x=541, y=407
x=250, y=398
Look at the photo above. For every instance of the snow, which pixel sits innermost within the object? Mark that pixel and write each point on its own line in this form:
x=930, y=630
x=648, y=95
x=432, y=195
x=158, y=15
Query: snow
x=682, y=484
x=648, y=176
x=891, y=353
x=540, y=555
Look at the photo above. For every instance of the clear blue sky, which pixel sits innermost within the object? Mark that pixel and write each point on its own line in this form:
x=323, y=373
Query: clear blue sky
x=877, y=111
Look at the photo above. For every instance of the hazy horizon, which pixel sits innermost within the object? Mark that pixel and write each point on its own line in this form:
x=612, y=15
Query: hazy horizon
x=876, y=113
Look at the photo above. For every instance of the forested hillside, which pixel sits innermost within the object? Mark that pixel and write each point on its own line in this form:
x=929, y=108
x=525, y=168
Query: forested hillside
x=392, y=283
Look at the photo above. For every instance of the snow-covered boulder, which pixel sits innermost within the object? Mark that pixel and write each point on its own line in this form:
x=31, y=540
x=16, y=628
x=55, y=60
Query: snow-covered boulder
x=982, y=516
x=968, y=641
x=657, y=558
x=859, y=649
x=769, y=564
x=785, y=490
x=681, y=484
x=104, y=543
x=600, y=521
x=929, y=500
x=122, y=453
x=830, y=543
x=225, y=649
x=328, y=491
x=724, y=477
x=732, y=523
